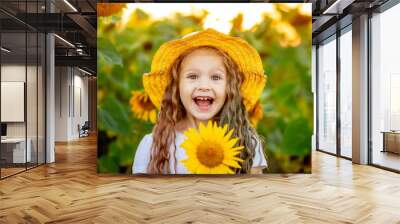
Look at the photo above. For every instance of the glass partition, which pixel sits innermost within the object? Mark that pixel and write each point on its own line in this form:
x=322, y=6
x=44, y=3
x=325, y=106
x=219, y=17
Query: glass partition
x=346, y=93
x=327, y=95
x=32, y=95
x=22, y=67
x=385, y=89
x=14, y=151
x=41, y=86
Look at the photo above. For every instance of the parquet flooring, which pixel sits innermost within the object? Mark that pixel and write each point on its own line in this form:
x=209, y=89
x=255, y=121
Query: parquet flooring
x=9, y=171
x=70, y=191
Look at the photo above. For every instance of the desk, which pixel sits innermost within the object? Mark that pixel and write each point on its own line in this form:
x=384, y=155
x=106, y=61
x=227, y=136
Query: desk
x=16, y=147
x=391, y=141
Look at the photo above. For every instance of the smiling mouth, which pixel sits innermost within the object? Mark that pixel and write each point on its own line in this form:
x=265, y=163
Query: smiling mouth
x=203, y=102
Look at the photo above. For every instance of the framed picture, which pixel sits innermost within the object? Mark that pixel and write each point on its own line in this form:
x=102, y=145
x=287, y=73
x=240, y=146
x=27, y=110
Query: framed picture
x=196, y=88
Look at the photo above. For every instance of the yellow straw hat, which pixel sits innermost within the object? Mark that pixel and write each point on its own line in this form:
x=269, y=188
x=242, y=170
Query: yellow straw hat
x=244, y=55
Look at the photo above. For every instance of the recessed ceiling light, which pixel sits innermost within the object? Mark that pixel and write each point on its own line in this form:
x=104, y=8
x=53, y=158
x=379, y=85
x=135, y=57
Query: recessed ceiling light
x=64, y=40
x=84, y=71
x=337, y=7
x=70, y=5
x=5, y=50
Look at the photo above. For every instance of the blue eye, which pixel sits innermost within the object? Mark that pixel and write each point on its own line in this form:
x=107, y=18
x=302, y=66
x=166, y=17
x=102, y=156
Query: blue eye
x=216, y=77
x=192, y=76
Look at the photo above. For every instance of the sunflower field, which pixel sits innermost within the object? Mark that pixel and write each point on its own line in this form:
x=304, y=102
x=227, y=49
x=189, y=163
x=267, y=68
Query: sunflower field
x=125, y=47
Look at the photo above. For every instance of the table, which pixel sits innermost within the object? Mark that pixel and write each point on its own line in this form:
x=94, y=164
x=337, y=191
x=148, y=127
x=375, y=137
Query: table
x=391, y=141
x=16, y=147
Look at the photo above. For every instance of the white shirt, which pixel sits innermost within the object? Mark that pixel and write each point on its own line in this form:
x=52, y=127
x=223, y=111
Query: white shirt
x=142, y=157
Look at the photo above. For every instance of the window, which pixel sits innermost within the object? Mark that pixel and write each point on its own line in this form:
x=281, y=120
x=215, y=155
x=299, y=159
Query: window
x=346, y=93
x=385, y=89
x=327, y=96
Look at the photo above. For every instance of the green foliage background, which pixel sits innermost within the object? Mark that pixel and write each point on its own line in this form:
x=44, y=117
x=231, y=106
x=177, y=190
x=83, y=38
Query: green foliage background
x=125, y=52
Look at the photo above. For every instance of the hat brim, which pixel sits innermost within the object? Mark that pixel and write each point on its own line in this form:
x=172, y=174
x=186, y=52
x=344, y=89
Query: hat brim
x=246, y=58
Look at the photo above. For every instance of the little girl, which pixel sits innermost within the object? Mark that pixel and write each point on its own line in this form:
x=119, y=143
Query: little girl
x=205, y=76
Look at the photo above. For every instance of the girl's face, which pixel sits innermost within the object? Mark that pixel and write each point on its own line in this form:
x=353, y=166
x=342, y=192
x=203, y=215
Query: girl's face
x=202, y=84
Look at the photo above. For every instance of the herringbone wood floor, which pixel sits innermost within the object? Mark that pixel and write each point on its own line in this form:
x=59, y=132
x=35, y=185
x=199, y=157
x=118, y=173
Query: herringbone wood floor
x=70, y=191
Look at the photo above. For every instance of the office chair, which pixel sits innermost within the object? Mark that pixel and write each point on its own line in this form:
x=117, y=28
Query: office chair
x=84, y=130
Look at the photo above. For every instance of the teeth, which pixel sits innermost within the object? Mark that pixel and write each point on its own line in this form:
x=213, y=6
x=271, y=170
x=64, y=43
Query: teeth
x=203, y=98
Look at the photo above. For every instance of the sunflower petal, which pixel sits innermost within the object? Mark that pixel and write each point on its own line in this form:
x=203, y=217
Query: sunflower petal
x=189, y=146
x=194, y=136
x=232, y=163
x=224, y=129
x=209, y=125
x=228, y=136
x=238, y=159
x=220, y=169
x=231, y=154
x=202, y=130
x=202, y=170
x=153, y=116
x=239, y=148
x=232, y=142
x=191, y=167
x=145, y=115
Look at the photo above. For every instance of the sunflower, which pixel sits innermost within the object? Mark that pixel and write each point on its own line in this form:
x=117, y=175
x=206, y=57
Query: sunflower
x=142, y=107
x=288, y=35
x=210, y=151
x=107, y=9
x=256, y=114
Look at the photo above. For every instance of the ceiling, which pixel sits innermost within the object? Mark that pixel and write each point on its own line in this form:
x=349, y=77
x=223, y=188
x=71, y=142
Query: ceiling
x=75, y=21
x=72, y=20
x=330, y=15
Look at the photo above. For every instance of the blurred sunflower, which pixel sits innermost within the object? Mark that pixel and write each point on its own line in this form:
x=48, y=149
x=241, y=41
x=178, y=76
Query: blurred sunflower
x=210, y=151
x=107, y=9
x=256, y=114
x=142, y=107
x=287, y=34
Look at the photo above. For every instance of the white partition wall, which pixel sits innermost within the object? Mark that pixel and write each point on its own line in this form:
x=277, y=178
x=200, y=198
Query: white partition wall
x=71, y=102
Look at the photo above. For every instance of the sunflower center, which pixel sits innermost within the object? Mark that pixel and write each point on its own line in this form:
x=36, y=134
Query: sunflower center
x=210, y=155
x=147, y=105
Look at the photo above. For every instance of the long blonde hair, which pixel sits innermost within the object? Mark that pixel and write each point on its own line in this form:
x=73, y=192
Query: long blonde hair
x=232, y=113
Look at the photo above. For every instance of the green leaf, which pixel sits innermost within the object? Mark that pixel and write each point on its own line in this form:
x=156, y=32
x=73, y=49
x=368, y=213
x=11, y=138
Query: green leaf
x=106, y=164
x=107, y=54
x=113, y=116
x=297, y=138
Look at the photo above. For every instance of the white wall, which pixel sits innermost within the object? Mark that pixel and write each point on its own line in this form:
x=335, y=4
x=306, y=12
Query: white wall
x=13, y=73
x=71, y=94
x=61, y=103
x=80, y=110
